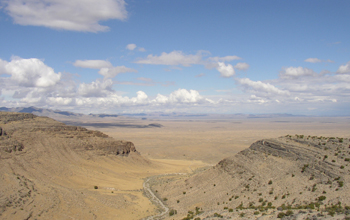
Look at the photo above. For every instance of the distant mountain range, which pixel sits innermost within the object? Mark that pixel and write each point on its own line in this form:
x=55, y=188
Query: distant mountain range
x=58, y=114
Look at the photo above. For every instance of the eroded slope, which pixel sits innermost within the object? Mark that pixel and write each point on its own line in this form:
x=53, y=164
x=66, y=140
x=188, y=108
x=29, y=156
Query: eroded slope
x=49, y=170
x=288, y=172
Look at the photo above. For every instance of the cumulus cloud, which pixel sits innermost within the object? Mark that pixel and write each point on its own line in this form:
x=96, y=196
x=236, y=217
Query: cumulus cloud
x=296, y=72
x=99, y=88
x=73, y=15
x=316, y=60
x=225, y=70
x=92, y=64
x=30, y=72
x=241, y=66
x=344, y=68
x=131, y=46
x=173, y=58
x=112, y=72
x=261, y=87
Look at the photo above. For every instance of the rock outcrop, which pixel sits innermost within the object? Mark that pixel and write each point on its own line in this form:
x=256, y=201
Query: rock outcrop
x=291, y=172
x=47, y=168
x=24, y=127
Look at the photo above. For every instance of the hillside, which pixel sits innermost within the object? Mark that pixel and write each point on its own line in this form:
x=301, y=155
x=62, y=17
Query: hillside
x=306, y=176
x=53, y=171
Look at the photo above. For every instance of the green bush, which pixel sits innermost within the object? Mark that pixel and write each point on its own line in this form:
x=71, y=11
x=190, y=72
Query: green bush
x=172, y=212
x=321, y=198
x=95, y=187
x=289, y=213
x=281, y=215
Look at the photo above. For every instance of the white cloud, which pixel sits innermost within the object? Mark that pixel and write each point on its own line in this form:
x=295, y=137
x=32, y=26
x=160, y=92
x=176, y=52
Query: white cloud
x=344, y=68
x=313, y=60
x=92, y=64
x=96, y=89
x=316, y=60
x=173, y=58
x=74, y=15
x=241, y=66
x=261, y=87
x=30, y=72
x=296, y=72
x=59, y=101
x=185, y=96
x=2, y=66
x=141, y=49
x=225, y=70
x=224, y=59
x=112, y=72
x=131, y=46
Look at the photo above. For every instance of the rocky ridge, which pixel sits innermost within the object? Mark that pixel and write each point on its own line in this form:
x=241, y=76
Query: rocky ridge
x=293, y=176
x=43, y=162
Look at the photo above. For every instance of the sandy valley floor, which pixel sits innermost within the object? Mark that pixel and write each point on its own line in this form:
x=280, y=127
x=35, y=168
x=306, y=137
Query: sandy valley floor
x=212, y=140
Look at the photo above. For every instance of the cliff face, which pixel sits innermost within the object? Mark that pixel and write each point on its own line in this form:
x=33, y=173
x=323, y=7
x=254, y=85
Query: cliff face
x=296, y=171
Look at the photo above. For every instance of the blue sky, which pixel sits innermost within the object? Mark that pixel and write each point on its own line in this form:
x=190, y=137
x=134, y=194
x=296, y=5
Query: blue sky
x=198, y=56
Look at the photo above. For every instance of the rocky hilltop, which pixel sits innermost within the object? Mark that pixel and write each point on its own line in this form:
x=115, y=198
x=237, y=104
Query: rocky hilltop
x=50, y=170
x=24, y=128
x=295, y=177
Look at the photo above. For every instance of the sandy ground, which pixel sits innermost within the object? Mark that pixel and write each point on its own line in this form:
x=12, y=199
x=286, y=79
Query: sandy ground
x=212, y=140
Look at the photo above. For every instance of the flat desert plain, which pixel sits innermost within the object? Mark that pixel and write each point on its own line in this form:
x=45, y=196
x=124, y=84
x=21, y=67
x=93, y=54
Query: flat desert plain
x=212, y=140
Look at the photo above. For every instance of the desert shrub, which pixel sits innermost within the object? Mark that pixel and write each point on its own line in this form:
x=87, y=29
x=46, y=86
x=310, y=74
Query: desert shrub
x=240, y=206
x=347, y=159
x=225, y=207
x=165, y=199
x=218, y=215
x=341, y=167
x=241, y=215
x=289, y=213
x=172, y=212
x=256, y=213
x=95, y=187
x=314, y=188
x=178, y=201
x=197, y=218
x=284, y=196
x=321, y=198
x=270, y=182
x=184, y=193
x=304, y=167
x=340, y=183
x=230, y=210
x=261, y=200
x=281, y=215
